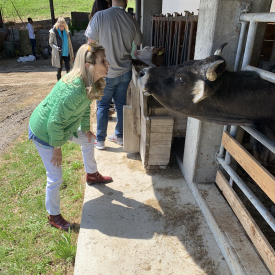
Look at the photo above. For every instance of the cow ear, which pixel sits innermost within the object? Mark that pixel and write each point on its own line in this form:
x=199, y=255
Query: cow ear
x=155, y=50
x=199, y=91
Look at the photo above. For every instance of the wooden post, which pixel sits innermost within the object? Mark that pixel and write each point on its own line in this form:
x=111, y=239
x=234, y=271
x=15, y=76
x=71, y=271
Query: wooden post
x=1, y=19
x=52, y=12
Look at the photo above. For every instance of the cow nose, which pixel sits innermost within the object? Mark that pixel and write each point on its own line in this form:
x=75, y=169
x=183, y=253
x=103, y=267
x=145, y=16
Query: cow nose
x=141, y=73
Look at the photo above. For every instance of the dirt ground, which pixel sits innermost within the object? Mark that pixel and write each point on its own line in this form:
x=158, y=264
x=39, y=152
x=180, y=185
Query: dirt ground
x=22, y=87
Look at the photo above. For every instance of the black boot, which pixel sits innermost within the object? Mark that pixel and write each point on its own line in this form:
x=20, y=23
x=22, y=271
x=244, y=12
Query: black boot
x=58, y=76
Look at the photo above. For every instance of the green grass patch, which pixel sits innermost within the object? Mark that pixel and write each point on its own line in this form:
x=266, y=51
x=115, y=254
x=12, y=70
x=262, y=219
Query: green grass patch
x=40, y=10
x=27, y=241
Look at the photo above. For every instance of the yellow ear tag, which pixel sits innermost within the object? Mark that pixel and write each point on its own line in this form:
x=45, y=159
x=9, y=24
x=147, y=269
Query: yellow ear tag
x=160, y=53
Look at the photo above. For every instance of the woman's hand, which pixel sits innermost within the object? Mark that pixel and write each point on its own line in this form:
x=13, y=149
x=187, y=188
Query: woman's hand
x=72, y=58
x=89, y=136
x=57, y=157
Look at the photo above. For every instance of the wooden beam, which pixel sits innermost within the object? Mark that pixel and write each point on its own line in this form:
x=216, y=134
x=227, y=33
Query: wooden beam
x=262, y=245
x=256, y=171
x=130, y=141
x=136, y=110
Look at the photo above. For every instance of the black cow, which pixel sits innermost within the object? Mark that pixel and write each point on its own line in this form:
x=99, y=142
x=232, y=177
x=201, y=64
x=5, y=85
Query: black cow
x=205, y=90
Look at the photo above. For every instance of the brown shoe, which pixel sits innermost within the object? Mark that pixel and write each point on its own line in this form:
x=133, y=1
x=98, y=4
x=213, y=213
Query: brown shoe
x=97, y=178
x=59, y=222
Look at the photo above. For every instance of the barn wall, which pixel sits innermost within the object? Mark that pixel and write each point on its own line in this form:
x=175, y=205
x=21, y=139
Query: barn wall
x=170, y=6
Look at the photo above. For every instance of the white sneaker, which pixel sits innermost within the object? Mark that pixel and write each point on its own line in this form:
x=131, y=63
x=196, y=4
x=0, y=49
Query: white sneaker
x=117, y=140
x=100, y=145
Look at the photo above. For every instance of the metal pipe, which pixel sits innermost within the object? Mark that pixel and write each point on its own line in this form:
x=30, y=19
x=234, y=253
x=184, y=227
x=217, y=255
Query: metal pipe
x=249, y=43
x=138, y=11
x=222, y=148
x=240, y=46
x=178, y=44
x=266, y=17
x=249, y=194
x=263, y=74
x=190, y=38
x=261, y=138
x=233, y=132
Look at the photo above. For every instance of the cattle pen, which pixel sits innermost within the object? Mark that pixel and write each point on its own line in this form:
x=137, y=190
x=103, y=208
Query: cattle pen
x=145, y=120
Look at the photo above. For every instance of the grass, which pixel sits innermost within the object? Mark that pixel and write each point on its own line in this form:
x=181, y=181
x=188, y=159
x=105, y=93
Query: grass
x=40, y=10
x=27, y=242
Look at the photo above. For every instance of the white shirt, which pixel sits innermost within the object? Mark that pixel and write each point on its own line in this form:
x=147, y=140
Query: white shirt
x=31, y=32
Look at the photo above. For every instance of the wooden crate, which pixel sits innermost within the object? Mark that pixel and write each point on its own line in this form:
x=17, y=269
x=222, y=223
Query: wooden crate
x=149, y=128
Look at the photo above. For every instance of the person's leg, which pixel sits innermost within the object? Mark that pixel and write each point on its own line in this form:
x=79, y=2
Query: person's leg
x=103, y=109
x=92, y=176
x=33, y=43
x=120, y=100
x=54, y=180
x=67, y=63
x=59, y=69
x=87, y=151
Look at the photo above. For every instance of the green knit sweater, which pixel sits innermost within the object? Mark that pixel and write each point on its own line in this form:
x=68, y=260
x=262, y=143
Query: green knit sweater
x=61, y=113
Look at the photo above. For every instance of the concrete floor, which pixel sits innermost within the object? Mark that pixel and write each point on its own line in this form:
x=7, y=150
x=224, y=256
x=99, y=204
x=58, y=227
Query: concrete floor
x=143, y=223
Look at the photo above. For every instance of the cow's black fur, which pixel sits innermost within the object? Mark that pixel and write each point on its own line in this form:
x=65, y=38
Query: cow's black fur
x=238, y=98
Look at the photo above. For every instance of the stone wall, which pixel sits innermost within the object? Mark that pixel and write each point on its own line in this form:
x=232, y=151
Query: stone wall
x=42, y=39
x=78, y=39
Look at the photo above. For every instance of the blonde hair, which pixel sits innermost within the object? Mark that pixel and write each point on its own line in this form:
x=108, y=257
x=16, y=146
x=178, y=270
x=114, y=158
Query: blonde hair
x=87, y=54
x=61, y=21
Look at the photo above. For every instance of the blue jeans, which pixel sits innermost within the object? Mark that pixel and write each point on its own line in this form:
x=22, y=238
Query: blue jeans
x=33, y=42
x=116, y=89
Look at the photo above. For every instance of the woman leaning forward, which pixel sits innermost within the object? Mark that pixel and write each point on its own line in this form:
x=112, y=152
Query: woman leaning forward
x=65, y=115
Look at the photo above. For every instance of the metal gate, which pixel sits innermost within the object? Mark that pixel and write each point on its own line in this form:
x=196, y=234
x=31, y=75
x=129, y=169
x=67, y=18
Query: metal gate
x=256, y=171
x=177, y=34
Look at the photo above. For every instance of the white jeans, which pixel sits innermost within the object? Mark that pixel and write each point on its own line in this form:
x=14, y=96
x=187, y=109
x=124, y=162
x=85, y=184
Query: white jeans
x=54, y=173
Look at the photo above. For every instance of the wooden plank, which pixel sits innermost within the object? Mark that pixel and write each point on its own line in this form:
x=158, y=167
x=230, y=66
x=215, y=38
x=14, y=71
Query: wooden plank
x=160, y=138
x=161, y=129
x=161, y=120
x=130, y=141
x=256, y=171
x=136, y=110
x=134, y=76
x=158, y=160
x=144, y=139
x=253, y=231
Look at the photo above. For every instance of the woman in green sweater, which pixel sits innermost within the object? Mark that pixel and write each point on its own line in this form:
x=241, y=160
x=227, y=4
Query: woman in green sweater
x=65, y=115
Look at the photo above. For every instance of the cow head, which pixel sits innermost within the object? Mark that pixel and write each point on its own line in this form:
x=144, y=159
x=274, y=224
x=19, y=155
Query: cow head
x=188, y=82
x=151, y=56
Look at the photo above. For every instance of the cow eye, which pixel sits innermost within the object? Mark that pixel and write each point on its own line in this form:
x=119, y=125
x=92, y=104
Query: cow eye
x=181, y=80
x=141, y=73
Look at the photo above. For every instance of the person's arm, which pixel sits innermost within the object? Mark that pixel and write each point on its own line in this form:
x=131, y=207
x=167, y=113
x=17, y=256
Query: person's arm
x=92, y=31
x=138, y=36
x=85, y=120
x=51, y=43
x=91, y=41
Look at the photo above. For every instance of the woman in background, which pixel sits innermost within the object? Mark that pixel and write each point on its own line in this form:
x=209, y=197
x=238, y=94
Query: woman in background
x=62, y=49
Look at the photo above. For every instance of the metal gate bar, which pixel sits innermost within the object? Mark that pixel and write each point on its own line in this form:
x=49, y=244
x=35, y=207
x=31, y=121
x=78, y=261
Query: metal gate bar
x=175, y=34
x=252, y=19
x=249, y=194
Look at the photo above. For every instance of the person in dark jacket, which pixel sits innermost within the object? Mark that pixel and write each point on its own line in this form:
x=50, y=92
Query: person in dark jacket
x=65, y=115
x=62, y=49
x=99, y=5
